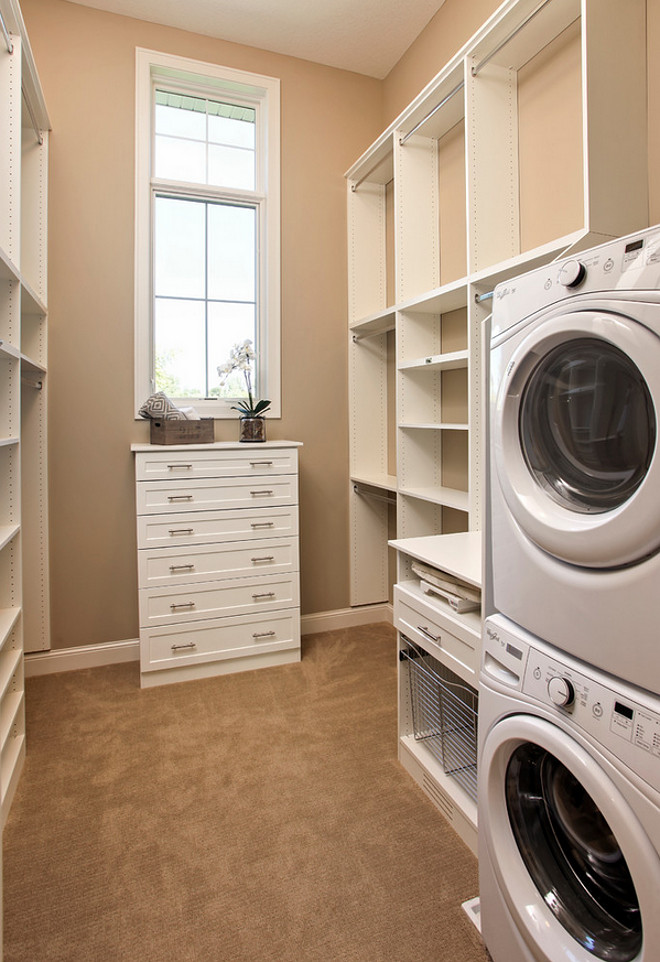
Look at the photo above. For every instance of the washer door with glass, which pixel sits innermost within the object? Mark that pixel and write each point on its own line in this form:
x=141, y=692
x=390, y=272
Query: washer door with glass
x=575, y=438
x=575, y=867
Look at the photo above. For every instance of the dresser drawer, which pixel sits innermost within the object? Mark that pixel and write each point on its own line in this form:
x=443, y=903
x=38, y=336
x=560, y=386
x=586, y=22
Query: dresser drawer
x=218, y=639
x=234, y=559
x=164, y=497
x=205, y=527
x=454, y=646
x=215, y=599
x=165, y=465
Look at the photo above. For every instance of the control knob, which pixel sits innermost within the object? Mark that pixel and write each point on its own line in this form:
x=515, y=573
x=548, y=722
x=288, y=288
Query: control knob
x=561, y=691
x=572, y=273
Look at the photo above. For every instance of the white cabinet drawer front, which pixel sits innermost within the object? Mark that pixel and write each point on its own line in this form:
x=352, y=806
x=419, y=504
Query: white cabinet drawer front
x=185, y=565
x=208, y=527
x=425, y=626
x=160, y=497
x=239, y=596
x=215, y=464
x=219, y=639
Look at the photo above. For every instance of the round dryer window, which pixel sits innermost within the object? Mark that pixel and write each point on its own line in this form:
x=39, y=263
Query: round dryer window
x=572, y=855
x=575, y=437
x=587, y=426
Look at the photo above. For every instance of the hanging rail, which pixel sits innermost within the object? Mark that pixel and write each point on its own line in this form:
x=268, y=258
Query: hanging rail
x=484, y=297
x=509, y=36
x=361, y=180
x=372, y=494
x=33, y=119
x=6, y=35
x=452, y=93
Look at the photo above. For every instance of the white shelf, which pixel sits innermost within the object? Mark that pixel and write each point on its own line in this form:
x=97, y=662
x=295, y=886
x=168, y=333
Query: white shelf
x=8, y=351
x=378, y=323
x=31, y=366
x=7, y=532
x=8, y=442
x=385, y=482
x=442, y=300
x=457, y=554
x=8, y=270
x=440, y=426
x=8, y=618
x=447, y=497
x=453, y=361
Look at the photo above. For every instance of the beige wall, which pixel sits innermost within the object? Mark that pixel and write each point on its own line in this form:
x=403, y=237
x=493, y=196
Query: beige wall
x=86, y=64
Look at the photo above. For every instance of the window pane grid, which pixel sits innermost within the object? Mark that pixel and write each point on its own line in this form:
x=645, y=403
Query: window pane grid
x=194, y=328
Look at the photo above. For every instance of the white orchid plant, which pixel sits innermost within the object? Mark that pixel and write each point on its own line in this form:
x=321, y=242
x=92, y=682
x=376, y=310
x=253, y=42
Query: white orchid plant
x=241, y=357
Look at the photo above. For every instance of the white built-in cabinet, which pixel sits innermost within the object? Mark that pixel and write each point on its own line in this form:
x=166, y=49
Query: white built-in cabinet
x=529, y=144
x=24, y=597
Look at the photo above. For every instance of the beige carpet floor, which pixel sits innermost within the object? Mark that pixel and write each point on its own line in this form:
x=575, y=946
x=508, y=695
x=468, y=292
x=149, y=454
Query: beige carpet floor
x=258, y=817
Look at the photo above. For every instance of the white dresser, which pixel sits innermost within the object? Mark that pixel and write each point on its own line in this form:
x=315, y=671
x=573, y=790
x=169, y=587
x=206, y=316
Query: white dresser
x=218, y=558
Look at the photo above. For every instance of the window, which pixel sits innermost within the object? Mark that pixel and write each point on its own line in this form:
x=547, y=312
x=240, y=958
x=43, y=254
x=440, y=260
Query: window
x=207, y=252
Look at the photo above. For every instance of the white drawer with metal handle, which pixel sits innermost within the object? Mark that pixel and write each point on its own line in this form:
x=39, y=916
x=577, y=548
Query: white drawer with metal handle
x=172, y=496
x=426, y=625
x=206, y=527
x=238, y=596
x=230, y=559
x=214, y=463
x=219, y=638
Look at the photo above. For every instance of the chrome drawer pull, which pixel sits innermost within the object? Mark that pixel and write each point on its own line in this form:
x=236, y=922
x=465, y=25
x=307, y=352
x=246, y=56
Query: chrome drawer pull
x=268, y=557
x=185, y=467
x=264, y=594
x=263, y=634
x=184, y=604
x=174, y=531
x=428, y=634
x=256, y=464
x=179, y=497
x=262, y=524
x=191, y=644
x=181, y=567
x=261, y=492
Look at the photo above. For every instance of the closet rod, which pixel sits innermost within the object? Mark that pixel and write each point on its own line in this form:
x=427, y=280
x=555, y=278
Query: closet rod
x=484, y=297
x=6, y=35
x=373, y=495
x=37, y=385
x=35, y=125
x=509, y=36
x=452, y=93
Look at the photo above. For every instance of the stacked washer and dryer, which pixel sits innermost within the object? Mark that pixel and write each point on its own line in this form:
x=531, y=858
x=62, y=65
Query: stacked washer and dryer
x=569, y=710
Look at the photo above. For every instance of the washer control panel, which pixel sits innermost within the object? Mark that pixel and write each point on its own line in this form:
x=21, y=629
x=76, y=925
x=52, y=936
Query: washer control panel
x=623, y=719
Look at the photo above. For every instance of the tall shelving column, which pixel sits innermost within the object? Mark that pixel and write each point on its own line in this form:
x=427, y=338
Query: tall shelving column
x=23, y=493
x=372, y=481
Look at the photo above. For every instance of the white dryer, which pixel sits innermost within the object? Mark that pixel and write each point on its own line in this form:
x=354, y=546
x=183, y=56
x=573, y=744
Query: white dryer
x=574, y=457
x=568, y=807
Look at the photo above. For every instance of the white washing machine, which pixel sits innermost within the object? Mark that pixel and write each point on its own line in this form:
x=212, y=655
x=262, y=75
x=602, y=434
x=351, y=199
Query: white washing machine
x=568, y=807
x=574, y=461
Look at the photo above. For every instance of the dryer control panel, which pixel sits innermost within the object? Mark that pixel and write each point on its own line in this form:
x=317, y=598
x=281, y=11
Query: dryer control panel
x=623, y=719
x=629, y=263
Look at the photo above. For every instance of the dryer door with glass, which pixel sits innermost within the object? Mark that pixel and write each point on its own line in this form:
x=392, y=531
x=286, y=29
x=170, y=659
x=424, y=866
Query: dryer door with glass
x=574, y=434
x=574, y=865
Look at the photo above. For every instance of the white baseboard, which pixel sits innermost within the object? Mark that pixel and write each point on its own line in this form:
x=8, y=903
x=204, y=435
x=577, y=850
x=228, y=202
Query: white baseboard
x=93, y=656
x=86, y=656
x=345, y=618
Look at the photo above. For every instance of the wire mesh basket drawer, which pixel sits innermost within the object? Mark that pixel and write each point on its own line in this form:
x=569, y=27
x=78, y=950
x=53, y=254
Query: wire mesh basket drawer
x=444, y=714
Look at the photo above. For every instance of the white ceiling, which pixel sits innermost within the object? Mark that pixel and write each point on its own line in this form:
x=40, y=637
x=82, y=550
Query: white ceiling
x=366, y=36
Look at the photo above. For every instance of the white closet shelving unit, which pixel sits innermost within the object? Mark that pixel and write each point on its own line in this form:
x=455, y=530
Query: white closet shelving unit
x=443, y=207
x=528, y=145
x=24, y=598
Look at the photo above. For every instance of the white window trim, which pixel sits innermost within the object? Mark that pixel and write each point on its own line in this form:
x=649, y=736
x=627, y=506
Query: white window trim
x=150, y=66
